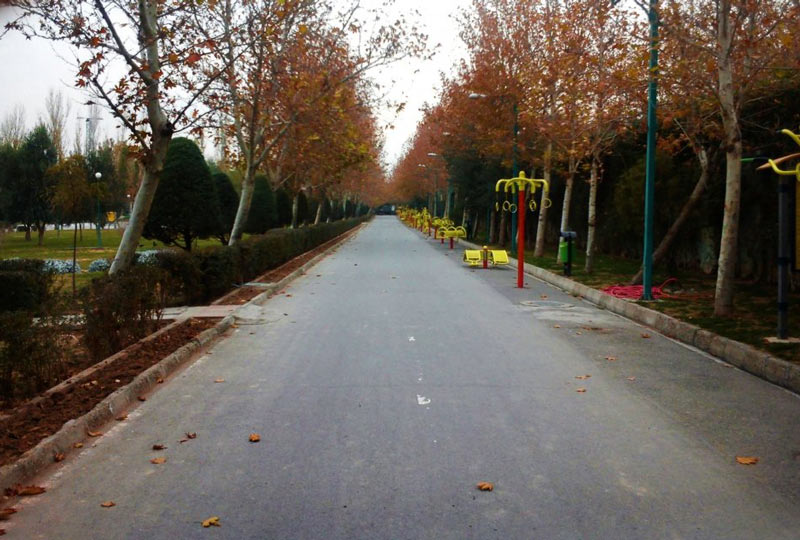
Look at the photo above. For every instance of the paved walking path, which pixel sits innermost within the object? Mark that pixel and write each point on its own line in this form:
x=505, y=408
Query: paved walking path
x=390, y=380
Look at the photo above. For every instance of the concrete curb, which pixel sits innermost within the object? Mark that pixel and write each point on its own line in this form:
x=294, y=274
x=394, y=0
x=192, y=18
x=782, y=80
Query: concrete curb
x=38, y=458
x=741, y=355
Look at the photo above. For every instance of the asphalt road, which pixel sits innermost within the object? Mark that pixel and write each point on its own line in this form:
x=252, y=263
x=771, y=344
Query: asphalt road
x=390, y=380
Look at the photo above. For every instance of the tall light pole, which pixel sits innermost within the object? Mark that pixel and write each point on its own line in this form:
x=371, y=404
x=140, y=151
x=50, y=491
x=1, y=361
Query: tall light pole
x=98, y=175
x=650, y=160
x=514, y=164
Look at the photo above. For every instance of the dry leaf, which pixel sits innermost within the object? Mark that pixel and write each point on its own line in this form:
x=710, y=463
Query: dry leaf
x=6, y=513
x=581, y=390
x=611, y=358
x=158, y=460
x=219, y=380
x=59, y=457
x=188, y=436
x=234, y=325
x=108, y=504
x=288, y=296
x=2, y=532
x=94, y=433
x=543, y=296
x=160, y=380
x=142, y=398
x=159, y=447
x=213, y=521
x=485, y=486
x=121, y=417
x=746, y=460
x=582, y=377
x=255, y=437
x=556, y=326
x=646, y=336
x=578, y=334
x=78, y=445
x=27, y=491
x=631, y=378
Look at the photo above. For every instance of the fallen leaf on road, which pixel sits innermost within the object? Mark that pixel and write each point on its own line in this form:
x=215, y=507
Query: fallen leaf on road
x=142, y=398
x=544, y=296
x=646, y=336
x=59, y=457
x=160, y=380
x=78, y=445
x=234, y=326
x=254, y=437
x=582, y=377
x=2, y=532
x=6, y=513
x=212, y=522
x=611, y=358
x=121, y=417
x=556, y=326
x=578, y=334
x=631, y=378
x=27, y=491
x=219, y=380
x=746, y=460
x=581, y=390
x=94, y=433
x=159, y=447
x=158, y=460
x=288, y=296
x=188, y=436
x=485, y=486
x=108, y=504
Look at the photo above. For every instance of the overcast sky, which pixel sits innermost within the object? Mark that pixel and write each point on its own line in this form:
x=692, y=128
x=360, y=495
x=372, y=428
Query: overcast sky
x=32, y=67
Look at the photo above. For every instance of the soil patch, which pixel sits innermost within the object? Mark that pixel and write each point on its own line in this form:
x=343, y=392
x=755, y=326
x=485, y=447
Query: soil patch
x=24, y=426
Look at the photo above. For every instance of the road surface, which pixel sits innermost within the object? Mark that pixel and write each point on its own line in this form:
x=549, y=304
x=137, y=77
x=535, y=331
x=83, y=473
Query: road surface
x=390, y=380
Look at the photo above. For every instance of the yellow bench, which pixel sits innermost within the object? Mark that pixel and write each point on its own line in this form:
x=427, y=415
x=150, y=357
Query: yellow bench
x=473, y=257
x=498, y=257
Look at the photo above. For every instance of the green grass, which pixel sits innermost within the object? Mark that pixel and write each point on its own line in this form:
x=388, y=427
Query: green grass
x=691, y=299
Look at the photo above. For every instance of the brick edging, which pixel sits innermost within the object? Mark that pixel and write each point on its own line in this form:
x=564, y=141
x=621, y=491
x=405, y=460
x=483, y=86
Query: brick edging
x=741, y=355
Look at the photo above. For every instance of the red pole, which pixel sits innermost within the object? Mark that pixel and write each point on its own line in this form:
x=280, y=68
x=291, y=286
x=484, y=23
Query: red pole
x=451, y=242
x=520, y=237
x=485, y=257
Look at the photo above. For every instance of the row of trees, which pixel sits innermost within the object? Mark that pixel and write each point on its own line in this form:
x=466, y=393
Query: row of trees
x=281, y=83
x=572, y=76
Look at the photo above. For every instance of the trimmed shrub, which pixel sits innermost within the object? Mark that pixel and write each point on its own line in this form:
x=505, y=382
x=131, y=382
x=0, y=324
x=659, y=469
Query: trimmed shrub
x=99, y=265
x=58, y=266
x=24, y=284
x=263, y=214
x=122, y=308
x=185, y=283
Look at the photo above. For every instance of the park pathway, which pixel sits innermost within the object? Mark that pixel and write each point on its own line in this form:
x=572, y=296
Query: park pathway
x=390, y=380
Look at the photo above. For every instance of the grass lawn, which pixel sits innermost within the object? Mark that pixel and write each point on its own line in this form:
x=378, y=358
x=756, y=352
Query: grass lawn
x=59, y=246
x=692, y=300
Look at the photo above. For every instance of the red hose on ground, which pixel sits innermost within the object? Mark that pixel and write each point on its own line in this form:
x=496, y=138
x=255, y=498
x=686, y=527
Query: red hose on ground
x=634, y=292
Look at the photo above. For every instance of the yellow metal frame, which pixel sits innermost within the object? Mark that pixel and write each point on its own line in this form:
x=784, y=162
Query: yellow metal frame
x=520, y=183
x=773, y=163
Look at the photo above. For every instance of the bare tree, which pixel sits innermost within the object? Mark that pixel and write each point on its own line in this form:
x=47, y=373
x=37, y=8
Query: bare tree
x=57, y=109
x=12, y=126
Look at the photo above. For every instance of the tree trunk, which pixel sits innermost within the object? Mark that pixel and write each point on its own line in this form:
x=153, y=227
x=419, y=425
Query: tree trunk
x=572, y=170
x=475, y=225
x=689, y=205
x=723, y=296
x=502, y=239
x=141, y=208
x=318, y=217
x=541, y=227
x=27, y=233
x=40, y=231
x=243, y=211
x=295, y=205
x=592, y=220
x=492, y=232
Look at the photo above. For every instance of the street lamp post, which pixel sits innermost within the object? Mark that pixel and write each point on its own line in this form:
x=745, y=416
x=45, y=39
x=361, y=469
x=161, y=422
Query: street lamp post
x=98, y=175
x=514, y=163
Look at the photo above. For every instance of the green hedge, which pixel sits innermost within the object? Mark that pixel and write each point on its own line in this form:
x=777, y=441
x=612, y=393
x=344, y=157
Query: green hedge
x=24, y=284
x=199, y=277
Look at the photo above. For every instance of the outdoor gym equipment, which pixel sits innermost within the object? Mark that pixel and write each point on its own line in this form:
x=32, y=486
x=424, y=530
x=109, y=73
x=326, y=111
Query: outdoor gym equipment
x=496, y=257
x=452, y=233
x=521, y=184
x=784, y=255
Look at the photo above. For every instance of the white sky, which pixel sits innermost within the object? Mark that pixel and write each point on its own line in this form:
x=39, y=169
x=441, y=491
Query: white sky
x=32, y=67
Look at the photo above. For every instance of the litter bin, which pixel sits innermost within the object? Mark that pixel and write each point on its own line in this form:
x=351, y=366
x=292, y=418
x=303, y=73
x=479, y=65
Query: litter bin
x=566, y=250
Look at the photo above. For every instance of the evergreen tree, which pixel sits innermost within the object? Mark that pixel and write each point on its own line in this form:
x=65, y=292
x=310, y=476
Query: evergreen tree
x=31, y=190
x=227, y=204
x=263, y=215
x=284, y=203
x=184, y=207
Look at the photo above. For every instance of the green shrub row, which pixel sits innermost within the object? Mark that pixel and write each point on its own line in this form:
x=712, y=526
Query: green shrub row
x=196, y=278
